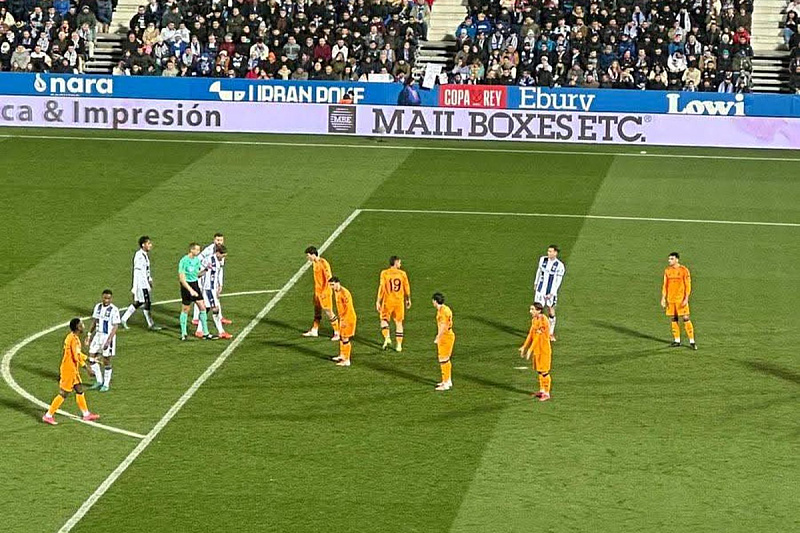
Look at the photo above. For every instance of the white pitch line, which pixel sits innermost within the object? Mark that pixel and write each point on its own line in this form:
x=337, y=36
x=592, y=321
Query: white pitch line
x=402, y=147
x=5, y=368
x=596, y=217
x=144, y=443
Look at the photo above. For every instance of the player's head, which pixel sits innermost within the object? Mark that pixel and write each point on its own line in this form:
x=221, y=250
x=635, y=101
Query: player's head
x=536, y=309
x=552, y=251
x=76, y=325
x=335, y=283
x=438, y=299
x=674, y=259
x=145, y=243
x=312, y=253
x=194, y=249
x=221, y=251
x=107, y=296
x=395, y=261
x=219, y=238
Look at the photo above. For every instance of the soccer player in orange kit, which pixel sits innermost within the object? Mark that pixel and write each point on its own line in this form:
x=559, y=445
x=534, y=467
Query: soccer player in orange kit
x=323, y=298
x=346, y=318
x=394, y=297
x=675, y=298
x=444, y=341
x=70, y=378
x=537, y=343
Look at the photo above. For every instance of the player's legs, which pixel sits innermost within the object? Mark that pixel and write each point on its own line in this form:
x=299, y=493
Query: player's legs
x=314, y=331
x=129, y=313
x=399, y=315
x=54, y=406
x=202, y=328
x=107, y=370
x=184, y=317
x=146, y=307
x=542, y=362
x=82, y=405
x=385, y=331
x=94, y=364
x=551, y=314
x=345, y=343
x=196, y=316
x=689, y=327
x=225, y=321
x=444, y=351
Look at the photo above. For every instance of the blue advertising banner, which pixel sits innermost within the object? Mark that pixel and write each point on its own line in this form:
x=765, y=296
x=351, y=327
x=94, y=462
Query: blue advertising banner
x=213, y=89
x=373, y=93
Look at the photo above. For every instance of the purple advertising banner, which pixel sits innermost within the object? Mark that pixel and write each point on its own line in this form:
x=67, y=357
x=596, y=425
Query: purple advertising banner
x=391, y=121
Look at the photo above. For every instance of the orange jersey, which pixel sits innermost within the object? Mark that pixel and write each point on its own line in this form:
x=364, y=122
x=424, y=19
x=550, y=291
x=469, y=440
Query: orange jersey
x=444, y=320
x=394, y=288
x=538, y=339
x=677, y=284
x=73, y=359
x=322, y=273
x=344, y=306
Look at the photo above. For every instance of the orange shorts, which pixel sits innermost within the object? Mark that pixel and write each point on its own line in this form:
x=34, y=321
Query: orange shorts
x=542, y=361
x=324, y=299
x=393, y=311
x=67, y=381
x=676, y=309
x=444, y=348
x=347, y=328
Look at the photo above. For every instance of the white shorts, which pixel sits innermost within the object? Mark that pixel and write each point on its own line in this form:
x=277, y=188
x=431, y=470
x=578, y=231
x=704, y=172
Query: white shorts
x=98, y=341
x=210, y=298
x=141, y=294
x=541, y=298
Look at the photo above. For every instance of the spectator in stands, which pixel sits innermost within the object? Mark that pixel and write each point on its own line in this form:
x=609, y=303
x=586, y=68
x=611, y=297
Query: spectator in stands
x=794, y=80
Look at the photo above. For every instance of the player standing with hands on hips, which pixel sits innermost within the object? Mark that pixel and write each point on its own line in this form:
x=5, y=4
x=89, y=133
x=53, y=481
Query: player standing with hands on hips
x=549, y=275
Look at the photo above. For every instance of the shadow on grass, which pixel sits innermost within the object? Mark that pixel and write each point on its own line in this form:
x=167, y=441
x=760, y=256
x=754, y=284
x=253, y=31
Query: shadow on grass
x=773, y=370
x=496, y=324
x=305, y=350
x=616, y=328
x=480, y=380
x=23, y=407
x=396, y=372
x=38, y=371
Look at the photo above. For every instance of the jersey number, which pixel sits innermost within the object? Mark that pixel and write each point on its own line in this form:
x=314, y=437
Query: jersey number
x=395, y=285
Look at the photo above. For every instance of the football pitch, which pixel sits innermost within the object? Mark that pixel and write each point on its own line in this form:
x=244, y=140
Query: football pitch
x=264, y=433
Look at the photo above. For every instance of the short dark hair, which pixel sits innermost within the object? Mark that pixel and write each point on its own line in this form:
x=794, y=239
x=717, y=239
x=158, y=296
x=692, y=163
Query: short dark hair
x=221, y=249
x=538, y=306
x=218, y=235
x=143, y=239
x=108, y=291
x=334, y=279
x=555, y=247
x=193, y=244
x=676, y=255
x=312, y=250
x=393, y=260
x=73, y=324
x=438, y=297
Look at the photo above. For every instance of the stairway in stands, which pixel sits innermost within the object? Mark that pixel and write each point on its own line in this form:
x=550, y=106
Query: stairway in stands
x=771, y=59
x=108, y=48
x=440, y=48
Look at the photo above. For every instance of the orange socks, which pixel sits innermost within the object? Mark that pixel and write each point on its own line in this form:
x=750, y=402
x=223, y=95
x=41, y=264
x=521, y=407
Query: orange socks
x=548, y=381
x=345, y=348
x=676, y=331
x=689, y=327
x=399, y=337
x=335, y=326
x=55, y=404
x=385, y=331
x=447, y=372
x=81, y=399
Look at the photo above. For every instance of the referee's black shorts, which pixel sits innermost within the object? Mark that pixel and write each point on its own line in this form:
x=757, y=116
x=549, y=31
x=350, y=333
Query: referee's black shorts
x=186, y=296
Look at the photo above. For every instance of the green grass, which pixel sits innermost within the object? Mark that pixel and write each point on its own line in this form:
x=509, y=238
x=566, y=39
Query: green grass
x=638, y=437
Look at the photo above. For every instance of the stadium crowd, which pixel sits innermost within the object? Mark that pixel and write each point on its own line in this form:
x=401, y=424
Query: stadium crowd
x=295, y=39
x=690, y=45
x=791, y=37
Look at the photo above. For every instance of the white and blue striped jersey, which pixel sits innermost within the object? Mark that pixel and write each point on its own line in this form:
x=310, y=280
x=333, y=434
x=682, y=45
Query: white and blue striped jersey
x=107, y=317
x=549, y=275
x=212, y=279
x=208, y=252
x=141, y=271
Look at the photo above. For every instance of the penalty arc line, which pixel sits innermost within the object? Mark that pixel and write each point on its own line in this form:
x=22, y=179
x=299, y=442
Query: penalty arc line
x=5, y=368
x=593, y=217
x=401, y=147
x=177, y=406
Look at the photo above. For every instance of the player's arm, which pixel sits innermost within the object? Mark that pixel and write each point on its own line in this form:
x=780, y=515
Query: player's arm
x=407, y=290
x=327, y=269
x=524, y=350
x=441, y=328
x=381, y=294
x=538, y=276
x=664, y=292
x=687, y=287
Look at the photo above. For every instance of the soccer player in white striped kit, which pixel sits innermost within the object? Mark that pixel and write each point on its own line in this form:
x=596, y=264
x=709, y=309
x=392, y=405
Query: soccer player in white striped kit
x=210, y=284
x=142, y=284
x=208, y=251
x=102, y=340
x=549, y=274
